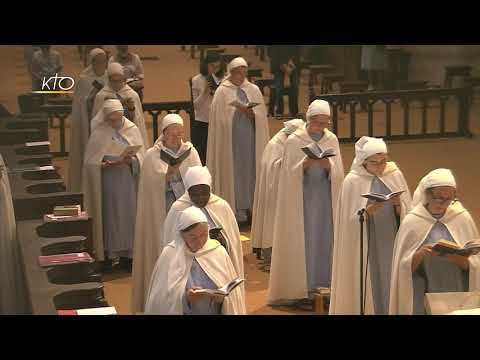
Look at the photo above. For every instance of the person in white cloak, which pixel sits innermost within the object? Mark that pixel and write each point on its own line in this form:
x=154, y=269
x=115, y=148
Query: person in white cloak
x=117, y=88
x=156, y=195
x=191, y=262
x=13, y=287
x=237, y=136
x=132, y=67
x=417, y=268
x=303, y=230
x=266, y=188
x=370, y=172
x=79, y=119
x=110, y=182
x=198, y=182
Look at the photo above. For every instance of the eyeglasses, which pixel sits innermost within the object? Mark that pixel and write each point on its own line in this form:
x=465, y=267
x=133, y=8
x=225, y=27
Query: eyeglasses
x=441, y=201
x=376, y=163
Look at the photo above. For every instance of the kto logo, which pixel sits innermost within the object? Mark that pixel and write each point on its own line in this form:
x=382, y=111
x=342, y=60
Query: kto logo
x=57, y=85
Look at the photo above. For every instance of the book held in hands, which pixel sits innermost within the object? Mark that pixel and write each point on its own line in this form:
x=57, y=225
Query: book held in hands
x=445, y=247
x=173, y=159
x=381, y=197
x=224, y=290
x=314, y=152
x=65, y=259
x=249, y=105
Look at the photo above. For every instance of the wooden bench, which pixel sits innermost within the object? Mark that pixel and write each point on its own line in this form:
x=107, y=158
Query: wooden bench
x=459, y=70
x=317, y=69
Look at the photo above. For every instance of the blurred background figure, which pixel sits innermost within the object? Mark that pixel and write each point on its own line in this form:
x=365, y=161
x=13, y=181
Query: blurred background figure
x=373, y=62
x=132, y=68
x=45, y=63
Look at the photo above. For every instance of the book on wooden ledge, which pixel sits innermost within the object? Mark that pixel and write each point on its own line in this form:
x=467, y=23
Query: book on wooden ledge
x=475, y=311
x=110, y=310
x=54, y=218
x=37, y=143
x=447, y=247
x=224, y=290
x=67, y=210
x=314, y=152
x=65, y=259
x=381, y=197
x=32, y=168
x=173, y=159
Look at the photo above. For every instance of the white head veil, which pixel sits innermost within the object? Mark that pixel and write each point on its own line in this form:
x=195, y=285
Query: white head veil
x=318, y=107
x=171, y=119
x=435, y=178
x=365, y=147
x=197, y=175
x=109, y=106
x=95, y=52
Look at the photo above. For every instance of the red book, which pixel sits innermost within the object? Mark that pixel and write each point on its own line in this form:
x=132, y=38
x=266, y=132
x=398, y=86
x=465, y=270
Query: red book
x=64, y=259
x=110, y=310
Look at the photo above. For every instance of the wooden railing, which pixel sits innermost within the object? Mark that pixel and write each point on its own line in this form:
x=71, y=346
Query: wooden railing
x=155, y=109
x=404, y=99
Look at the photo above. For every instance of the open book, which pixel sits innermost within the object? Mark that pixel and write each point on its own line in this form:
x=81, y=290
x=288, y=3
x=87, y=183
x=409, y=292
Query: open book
x=380, y=197
x=120, y=150
x=314, y=152
x=224, y=290
x=238, y=103
x=447, y=247
x=172, y=159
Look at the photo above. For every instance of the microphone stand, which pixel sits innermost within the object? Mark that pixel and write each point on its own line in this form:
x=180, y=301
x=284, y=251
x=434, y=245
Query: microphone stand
x=361, y=214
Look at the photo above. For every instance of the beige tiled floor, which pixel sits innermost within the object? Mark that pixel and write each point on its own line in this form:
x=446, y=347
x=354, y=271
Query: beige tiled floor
x=166, y=79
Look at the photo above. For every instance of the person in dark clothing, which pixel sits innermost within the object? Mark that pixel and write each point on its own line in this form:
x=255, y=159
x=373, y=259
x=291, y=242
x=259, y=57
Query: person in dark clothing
x=284, y=65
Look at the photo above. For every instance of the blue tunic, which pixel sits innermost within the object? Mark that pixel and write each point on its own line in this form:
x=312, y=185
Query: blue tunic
x=204, y=306
x=318, y=226
x=119, y=205
x=437, y=274
x=170, y=197
x=244, y=162
x=382, y=230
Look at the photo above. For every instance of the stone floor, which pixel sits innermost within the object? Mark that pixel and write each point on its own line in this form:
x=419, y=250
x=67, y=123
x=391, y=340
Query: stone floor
x=166, y=79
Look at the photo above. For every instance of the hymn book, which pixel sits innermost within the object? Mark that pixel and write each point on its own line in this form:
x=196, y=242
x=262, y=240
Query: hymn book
x=33, y=168
x=121, y=150
x=381, y=197
x=314, y=152
x=171, y=158
x=224, y=290
x=445, y=247
x=67, y=210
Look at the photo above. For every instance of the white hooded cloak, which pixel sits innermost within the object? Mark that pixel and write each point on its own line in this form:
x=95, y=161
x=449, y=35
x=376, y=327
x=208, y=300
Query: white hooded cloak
x=414, y=230
x=345, y=290
x=98, y=146
x=151, y=214
x=288, y=274
x=169, y=278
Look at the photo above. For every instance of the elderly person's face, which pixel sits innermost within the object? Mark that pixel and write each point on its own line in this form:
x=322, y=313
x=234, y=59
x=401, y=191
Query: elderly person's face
x=318, y=123
x=376, y=164
x=99, y=64
x=199, y=194
x=196, y=237
x=439, y=199
x=115, y=119
x=213, y=67
x=173, y=135
x=238, y=75
x=117, y=82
